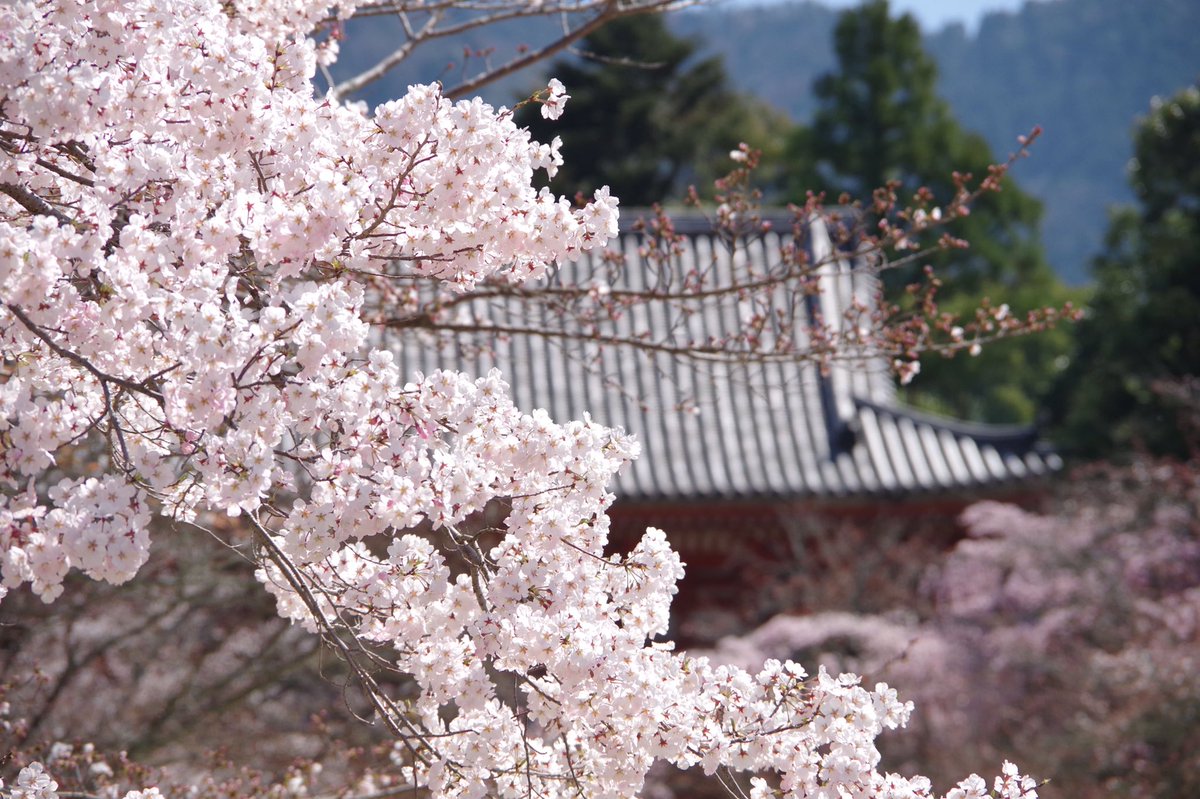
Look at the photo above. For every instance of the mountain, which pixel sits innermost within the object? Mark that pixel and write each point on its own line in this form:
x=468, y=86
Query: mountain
x=1083, y=70
x=774, y=51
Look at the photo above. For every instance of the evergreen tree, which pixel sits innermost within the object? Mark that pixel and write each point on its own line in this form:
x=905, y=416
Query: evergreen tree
x=646, y=118
x=880, y=120
x=871, y=110
x=1141, y=338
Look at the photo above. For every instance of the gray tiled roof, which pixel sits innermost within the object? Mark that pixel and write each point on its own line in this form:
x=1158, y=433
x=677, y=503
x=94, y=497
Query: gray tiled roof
x=726, y=428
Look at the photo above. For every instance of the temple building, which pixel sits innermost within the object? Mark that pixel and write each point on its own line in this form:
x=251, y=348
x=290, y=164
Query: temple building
x=749, y=462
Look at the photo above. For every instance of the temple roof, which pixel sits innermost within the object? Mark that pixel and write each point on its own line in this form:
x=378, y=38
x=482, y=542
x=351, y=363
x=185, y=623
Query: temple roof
x=719, y=427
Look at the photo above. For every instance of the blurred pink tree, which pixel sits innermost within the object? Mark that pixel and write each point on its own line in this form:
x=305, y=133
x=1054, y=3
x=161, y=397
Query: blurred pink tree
x=1068, y=639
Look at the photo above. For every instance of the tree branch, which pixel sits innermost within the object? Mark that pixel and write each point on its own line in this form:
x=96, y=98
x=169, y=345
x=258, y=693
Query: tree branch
x=79, y=360
x=34, y=204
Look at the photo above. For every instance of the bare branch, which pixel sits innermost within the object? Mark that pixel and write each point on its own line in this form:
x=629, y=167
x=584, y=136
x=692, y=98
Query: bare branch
x=376, y=72
x=611, y=12
x=33, y=203
x=437, y=25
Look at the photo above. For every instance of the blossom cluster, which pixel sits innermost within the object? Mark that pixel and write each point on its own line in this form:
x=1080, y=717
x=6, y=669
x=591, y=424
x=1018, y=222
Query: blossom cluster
x=189, y=239
x=198, y=178
x=34, y=782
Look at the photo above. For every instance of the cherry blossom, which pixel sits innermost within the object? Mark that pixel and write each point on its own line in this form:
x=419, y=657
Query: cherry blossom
x=190, y=239
x=34, y=783
x=552, y=106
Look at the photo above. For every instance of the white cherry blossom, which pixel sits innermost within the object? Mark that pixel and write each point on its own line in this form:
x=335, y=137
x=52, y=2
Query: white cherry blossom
x=189, y=238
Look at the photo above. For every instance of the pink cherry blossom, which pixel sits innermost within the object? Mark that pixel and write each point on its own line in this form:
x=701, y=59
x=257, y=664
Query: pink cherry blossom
x=190, y=240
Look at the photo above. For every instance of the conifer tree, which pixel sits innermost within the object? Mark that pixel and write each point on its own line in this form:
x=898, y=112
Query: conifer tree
x=648, y=119
x=1137, y=356
x=880, y=120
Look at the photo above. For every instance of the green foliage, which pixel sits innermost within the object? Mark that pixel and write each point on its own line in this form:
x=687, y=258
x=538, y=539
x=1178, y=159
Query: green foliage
x=646, y=118
x=881, y=94
x=1142, y=334
x=880, y=120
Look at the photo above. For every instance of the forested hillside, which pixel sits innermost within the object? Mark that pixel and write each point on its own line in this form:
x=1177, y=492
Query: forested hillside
x=1082, y=69
x=774, y=51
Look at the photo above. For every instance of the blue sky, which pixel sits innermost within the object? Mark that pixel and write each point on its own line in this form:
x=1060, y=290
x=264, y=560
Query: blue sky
x=935, y=14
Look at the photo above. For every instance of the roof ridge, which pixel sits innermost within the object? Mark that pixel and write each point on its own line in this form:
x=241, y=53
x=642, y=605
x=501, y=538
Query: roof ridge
x=983, y=432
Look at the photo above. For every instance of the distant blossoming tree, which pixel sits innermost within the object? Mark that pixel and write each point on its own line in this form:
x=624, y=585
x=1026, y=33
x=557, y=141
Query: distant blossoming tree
x=195, y=251
x=1082, y=622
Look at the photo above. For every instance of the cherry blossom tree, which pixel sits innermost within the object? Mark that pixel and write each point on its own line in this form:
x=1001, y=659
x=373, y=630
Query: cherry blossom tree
x=1085, y=621
x=1077, y=626
x=196, y=254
